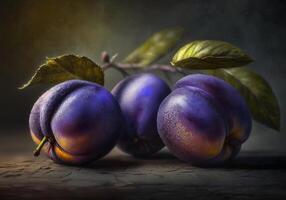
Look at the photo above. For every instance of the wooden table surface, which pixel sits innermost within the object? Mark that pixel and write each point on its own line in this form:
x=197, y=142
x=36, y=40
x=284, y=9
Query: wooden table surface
x=257, y=173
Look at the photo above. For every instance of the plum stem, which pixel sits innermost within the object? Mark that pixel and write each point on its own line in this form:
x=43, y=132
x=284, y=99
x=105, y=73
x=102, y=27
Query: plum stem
x=37, y=151
x=122, y=67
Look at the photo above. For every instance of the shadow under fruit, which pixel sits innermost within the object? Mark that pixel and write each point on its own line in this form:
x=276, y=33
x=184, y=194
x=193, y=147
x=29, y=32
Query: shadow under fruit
x=139, y=97
x=79, y=119
x=204, y=120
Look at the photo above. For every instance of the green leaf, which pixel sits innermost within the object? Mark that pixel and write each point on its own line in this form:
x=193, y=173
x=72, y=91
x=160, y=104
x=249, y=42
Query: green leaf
x=66, y=67
x=154, y=47
x=210, y=54
x=257, y=93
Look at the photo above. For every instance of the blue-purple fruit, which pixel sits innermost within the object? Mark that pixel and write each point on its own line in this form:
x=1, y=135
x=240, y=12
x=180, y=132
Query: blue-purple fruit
x=204, y=120
x=79, y=119
x=139, y=97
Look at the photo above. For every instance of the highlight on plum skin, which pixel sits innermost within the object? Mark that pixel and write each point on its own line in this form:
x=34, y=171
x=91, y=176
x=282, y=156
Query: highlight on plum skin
x=139, y=97
x=75, y=122
x=204, y=120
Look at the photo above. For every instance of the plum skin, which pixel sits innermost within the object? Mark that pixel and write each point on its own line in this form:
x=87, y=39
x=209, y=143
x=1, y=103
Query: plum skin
x=204, y=120
x=81, y=120
x=139, y=97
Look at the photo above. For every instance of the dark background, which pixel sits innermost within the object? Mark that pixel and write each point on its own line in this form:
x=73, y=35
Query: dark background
x=30, y=30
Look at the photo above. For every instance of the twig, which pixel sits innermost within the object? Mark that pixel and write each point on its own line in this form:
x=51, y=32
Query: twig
x=122, y=67
x=114, y=66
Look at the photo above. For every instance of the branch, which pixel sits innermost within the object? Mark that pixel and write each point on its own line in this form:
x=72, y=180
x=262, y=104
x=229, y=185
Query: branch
x=113, y=65
x=150, y=67
x=132, y=66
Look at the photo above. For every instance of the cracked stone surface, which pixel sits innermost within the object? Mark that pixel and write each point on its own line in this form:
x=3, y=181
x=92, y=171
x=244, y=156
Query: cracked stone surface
x=255, y=174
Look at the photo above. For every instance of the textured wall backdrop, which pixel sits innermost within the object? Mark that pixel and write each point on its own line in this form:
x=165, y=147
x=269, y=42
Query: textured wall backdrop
x=32, y=30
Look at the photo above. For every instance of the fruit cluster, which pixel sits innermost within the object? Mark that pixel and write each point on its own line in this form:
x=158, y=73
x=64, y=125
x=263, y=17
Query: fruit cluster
x=203, y=121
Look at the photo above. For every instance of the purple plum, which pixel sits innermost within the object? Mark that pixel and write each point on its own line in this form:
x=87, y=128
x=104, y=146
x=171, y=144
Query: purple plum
x=79, y=119
x=204, y=120
x=139, y=97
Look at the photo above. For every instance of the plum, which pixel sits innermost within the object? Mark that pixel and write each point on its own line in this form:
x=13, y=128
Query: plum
x=79, y=119
x=139, y=97
x=204, y=120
